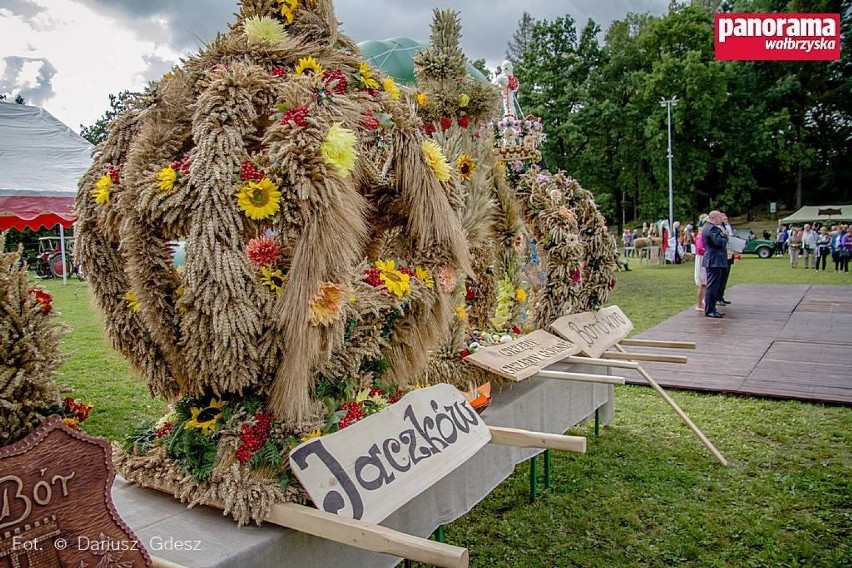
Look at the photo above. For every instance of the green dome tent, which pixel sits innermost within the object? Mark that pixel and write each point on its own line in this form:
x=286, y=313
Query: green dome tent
x=395, y=57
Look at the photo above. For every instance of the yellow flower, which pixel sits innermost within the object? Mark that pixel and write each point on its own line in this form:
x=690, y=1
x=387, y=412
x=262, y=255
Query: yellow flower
x=425, y=277
x=465, y=166
x=464, y=100
x=72, y=422
x=422, y=99
x=502, y=167
x=259, y=199
x=288, y=9
x=205, y=419
x=367, y=75
x=326, y=303
x=395, y=281
x=166, y=178
x=362, y=395
x=461, y=312
x=273, y=279
x=437, y=161
x=132, y=302
x=315, y=434
x=521, y=295
x=259, y=29
x=101, y=193
x=390, y=87
x=338, y=149
x=308, y=64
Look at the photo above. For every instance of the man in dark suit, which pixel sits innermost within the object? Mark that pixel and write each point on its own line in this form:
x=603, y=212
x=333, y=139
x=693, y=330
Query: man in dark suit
x=715, y=261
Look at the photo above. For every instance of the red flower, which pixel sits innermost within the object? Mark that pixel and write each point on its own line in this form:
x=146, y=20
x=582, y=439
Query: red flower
x=297, y=115
x=263, y=251
x=164, y=431
x=464, y=353
x=370, y=122
x=463, y=121
x=429, y=128
x=77, y=410
x=43, y=298
x=470, y=294
x=446, y=122
x=335, y=81
x=513, y=83
x=612, y=283
x=278, y=71
x=516, y=330
x=575, y=275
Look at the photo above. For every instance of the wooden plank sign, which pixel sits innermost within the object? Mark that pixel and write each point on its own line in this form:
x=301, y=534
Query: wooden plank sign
x=524, y=356
x=594, y=332
x=373, y=467
x=56, y=506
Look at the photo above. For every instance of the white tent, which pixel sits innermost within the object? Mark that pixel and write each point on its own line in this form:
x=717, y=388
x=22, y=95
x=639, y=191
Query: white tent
x=41, y=160
x=819, y=213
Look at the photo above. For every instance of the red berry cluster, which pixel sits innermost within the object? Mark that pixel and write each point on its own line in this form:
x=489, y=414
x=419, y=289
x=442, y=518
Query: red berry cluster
x=446, y=122
x=516, y=330
x=376, y=392
x=428, y=128
x=277, y=71
x=182, y=165
x=408, y=270
x=297, y=115
x=164, y=431
x=470, y=294
x=393, y=398
x=335, y=81
x=464, y=353
x=371, y=277
x=463, y=121
x=370, y=122
x=253, y=437
x=114, y=173
x=354, y=413
x=248, y=172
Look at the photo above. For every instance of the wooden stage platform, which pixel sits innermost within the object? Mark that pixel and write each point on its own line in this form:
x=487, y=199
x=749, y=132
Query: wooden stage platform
x=779, y=341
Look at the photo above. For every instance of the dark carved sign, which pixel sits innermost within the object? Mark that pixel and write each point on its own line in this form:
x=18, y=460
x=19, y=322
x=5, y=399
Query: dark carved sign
x=56, y=507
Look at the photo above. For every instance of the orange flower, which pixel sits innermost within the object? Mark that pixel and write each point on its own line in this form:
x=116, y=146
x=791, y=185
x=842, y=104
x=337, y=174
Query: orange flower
x=326, y=303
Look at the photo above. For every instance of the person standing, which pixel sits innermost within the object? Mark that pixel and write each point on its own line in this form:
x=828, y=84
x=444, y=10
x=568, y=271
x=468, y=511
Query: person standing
x=715, y=261
x=836, y=245
x=846, y=250
x=794, y=245
x=808, y=246
x=700, y=271
x=823, y=246
x=722, y=300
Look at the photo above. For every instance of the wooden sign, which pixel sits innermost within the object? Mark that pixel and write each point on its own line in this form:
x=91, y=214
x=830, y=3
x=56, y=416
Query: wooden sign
x=524, y=356
x=594, y=332
x=373, y=467
x=56, y=506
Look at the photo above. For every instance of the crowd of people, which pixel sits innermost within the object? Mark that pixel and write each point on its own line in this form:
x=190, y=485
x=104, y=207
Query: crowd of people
x=813, y=245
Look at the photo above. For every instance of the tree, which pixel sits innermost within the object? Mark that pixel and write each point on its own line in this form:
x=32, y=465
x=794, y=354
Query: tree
x=520, y=42
x=97, y=132
x=480, y=65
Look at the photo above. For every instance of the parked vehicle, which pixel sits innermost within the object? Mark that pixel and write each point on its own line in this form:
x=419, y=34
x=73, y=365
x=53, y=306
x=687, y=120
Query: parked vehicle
x=761, y=247
x=48, y=261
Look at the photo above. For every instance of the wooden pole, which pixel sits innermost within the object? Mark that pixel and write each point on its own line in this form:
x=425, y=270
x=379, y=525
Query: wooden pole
x=528, y=439
x=624, y=356
x=658, y=343
x=578, y=360
x=681, y=413
x=367, y=536
x=353, y=532
x=582, y=377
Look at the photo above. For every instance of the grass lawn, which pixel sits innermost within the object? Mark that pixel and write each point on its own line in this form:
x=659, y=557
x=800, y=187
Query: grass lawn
x=646, y=493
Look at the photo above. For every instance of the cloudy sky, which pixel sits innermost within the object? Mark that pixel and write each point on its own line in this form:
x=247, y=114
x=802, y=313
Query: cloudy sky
x=69, y=55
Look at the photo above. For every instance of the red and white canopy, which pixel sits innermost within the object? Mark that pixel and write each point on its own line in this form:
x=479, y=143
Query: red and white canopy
x=41, y=161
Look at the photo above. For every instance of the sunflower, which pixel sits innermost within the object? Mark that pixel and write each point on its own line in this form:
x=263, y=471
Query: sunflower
x=259, y=199
x=465, y=166
x=273, y=279
x=166, y=179
x=367, y=76
x=308, y=64
x=205, y=419
x=437, y=161
x=326, y=303
x=424, y=276
x=422, y=99
x=132, y=302
x=259, y=29
x=395, y=281
x=390, y=88
x=101, y=193
x=338, y=149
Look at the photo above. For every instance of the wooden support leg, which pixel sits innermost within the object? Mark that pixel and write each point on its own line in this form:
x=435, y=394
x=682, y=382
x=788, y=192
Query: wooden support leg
x=681, y=413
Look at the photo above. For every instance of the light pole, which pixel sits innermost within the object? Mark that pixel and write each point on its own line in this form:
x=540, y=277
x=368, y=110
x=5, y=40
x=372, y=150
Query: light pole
x=669, y=103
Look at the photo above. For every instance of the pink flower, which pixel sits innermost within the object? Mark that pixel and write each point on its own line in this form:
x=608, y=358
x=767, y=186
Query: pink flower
x=263, y=251
x=447, y=278
x=575, y=276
